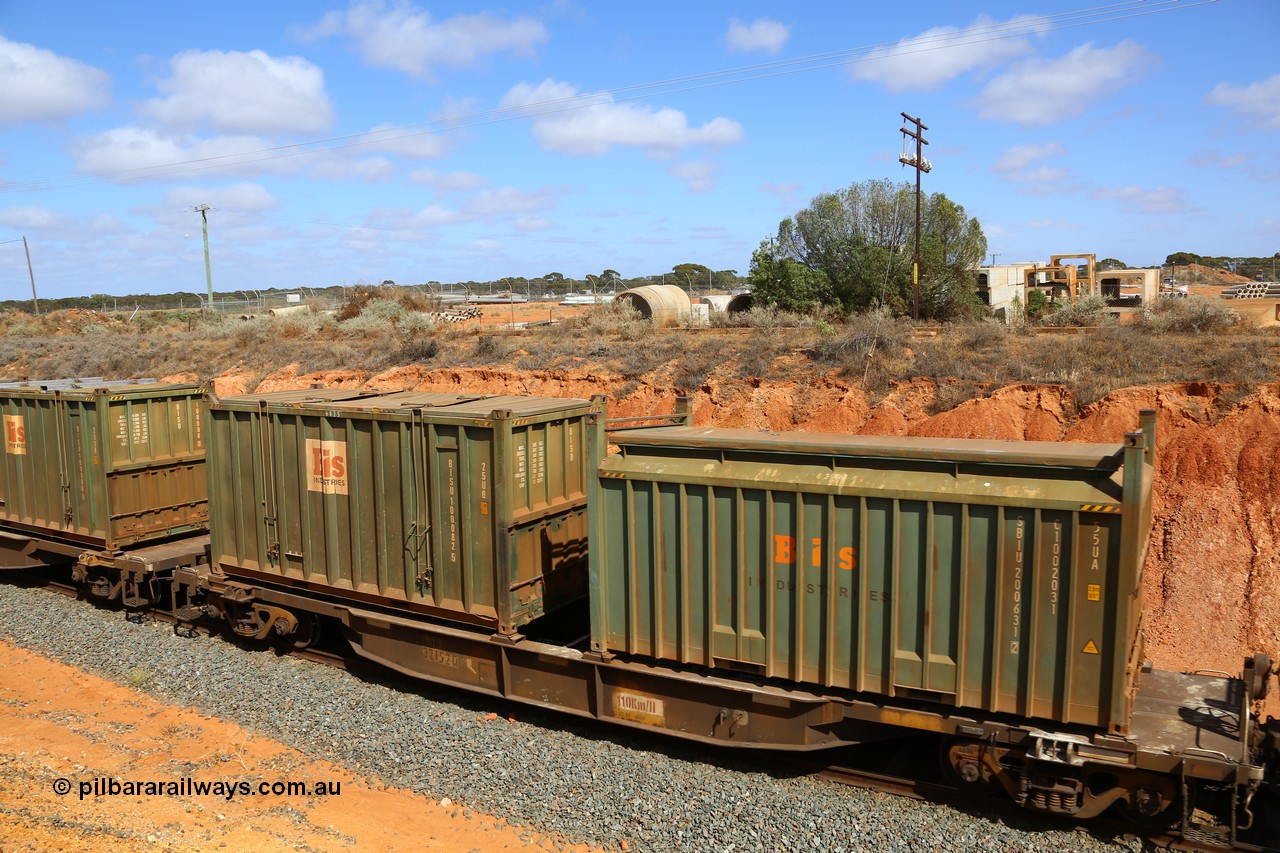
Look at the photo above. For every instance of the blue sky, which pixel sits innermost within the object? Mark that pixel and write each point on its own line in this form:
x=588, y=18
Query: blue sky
x=411, y=141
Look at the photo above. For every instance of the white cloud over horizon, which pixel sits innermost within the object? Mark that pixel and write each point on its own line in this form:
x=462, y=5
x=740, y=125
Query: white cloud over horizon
x=402, y=37
x=1040, y=92
x=761, y=35
x=1149, y=200
x=39, y=85
x=938, y=55
x=1258, y=102
x=241, y=93
x=596, y=124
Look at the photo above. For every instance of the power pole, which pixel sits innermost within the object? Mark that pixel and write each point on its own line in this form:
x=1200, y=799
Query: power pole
x=921, y=165
x=994, y=255
x=35, y=303
x=203, y=210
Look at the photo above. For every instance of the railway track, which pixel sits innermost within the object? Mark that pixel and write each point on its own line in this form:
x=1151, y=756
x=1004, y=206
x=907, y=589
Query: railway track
x=879, y=779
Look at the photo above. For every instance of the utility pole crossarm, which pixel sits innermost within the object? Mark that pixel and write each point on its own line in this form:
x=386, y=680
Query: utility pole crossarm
x=920, y=164
x=203, y=210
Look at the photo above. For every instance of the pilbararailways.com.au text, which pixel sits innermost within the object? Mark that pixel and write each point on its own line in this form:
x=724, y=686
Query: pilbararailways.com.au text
x=187, y=787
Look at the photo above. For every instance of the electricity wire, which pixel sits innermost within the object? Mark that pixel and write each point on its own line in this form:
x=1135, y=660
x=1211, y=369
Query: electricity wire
x=1017, y=28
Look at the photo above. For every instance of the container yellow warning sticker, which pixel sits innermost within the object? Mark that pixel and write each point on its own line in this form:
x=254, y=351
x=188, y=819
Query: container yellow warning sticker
x=1094, y=592
x=1090, y=648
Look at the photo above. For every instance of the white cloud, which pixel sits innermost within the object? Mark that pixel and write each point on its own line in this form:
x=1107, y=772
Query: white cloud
x=1022, y=165
x=1153, y=200
x=1020, y=157
x=595, y=124
x=336, y=168
x=236, y=92
x=1040, y=92
x=106, y=224
x=128, y=150
x=1211, y=157
x=486, y=245
x=32, y=218
x=244, y=197
x=528, y=222
x=699, y=177
x=411, y=145
x=434, y=215
x=402, y=37
x=505, y=200
x=761, y=34
x=128, y=154
x=448, y=182
x=924, y=62
x=1259, y=102
x=39, y=85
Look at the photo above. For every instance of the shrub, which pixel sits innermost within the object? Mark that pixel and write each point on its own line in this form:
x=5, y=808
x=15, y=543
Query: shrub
x=768, y=317
x=1196, y=315
x=416, y=323
x=871, y=347
x=615, y=318
x=1085, y=311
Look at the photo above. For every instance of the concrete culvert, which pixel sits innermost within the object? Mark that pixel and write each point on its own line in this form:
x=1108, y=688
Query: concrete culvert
x=292, y=309
x=740, y=303
x=664, y=304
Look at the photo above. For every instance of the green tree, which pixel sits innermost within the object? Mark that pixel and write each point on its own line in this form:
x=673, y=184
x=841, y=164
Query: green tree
x=861, y=240
x=783, y=282
x=691, y=275
x=1111, y=264
x=1182, y=259
x=725, y=279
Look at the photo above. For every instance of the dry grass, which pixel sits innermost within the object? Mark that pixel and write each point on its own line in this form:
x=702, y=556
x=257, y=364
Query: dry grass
x=1181, y=341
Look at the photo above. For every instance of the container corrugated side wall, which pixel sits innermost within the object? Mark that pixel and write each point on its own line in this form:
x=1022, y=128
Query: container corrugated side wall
x=33, y=459
x=105, y=468
x=1024, y=602
x=454, y=513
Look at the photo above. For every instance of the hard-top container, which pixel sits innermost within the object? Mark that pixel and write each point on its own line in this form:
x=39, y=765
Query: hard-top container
x=107, y=465
x=469, y=507
x=1001, y=576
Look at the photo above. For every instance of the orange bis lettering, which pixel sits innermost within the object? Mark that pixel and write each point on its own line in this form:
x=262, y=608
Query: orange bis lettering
x=784, y=551
x=328, y=465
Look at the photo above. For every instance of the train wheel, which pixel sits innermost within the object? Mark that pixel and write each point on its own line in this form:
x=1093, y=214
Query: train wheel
x=1153, y=803
x=964, y=765
x=307, y=634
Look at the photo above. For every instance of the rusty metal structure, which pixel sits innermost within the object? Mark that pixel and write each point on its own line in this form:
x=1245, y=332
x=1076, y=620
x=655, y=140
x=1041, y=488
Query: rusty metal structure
x=752, y=590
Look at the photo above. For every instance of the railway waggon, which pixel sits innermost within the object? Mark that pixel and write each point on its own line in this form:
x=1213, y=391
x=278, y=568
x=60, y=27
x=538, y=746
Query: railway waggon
x=775, y=591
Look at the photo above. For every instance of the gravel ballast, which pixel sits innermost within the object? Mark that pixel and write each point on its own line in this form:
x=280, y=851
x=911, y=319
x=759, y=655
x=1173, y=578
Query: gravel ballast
x=584, y=783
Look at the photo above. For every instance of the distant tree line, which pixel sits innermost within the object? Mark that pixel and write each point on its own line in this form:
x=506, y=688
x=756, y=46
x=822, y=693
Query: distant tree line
x=689, y=276
x=1264, y=268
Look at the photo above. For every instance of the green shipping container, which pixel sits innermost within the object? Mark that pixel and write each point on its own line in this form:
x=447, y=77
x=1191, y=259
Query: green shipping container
x=108, y=466
x=468, y=507
x=1000, y=576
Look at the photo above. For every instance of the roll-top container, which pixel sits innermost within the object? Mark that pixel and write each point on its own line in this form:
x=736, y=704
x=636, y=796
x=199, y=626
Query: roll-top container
x=999, y=576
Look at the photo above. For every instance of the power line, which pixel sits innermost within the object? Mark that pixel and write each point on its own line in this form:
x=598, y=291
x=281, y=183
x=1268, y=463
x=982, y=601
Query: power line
x=814, y=62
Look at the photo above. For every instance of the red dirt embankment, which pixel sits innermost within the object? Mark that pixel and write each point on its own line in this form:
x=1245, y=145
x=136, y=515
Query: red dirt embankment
x=1212, y=574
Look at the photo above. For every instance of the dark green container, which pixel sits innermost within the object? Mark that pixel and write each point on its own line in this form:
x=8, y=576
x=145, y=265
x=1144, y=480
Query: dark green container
x=107, y=466
x=1000, y=576
x=469, y=507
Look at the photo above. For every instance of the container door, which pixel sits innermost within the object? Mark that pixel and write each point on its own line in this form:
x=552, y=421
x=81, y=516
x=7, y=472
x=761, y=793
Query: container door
x=923, y=604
